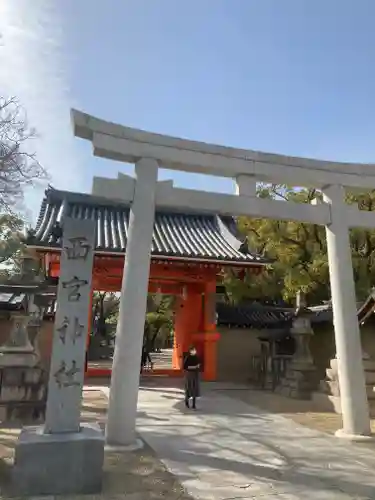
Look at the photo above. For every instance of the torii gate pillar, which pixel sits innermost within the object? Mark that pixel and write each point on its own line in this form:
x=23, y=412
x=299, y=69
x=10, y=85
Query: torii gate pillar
x=355, y=411
x=123, y=396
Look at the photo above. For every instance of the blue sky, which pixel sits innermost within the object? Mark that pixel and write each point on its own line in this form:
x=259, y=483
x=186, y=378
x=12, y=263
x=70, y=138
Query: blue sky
x=288, y=76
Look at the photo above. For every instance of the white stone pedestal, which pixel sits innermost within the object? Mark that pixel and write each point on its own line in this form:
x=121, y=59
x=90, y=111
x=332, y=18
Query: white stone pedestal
x=58, y=464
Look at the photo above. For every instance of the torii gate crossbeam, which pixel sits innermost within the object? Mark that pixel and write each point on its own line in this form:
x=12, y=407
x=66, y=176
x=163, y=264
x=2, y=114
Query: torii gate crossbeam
x=149, y=152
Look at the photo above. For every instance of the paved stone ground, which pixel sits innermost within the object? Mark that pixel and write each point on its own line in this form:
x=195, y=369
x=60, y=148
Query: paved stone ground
x=302, y=412
x=138, y=475
x=161, y=359
x=230, y=449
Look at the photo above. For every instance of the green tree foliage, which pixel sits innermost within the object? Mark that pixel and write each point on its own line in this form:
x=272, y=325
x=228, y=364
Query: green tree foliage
x=10, y=238
x=159, y=320
x=13, y=265
x=105, y=311
x=299, y=252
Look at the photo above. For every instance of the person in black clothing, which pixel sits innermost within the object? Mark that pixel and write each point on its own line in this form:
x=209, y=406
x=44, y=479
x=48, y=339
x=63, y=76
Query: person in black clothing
x=192, y=366
x=146, y=358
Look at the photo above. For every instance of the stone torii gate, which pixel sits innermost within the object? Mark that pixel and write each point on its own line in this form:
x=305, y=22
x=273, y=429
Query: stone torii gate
x=150, y=151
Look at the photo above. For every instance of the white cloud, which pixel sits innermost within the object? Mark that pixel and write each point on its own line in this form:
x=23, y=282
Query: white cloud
x=34, y=68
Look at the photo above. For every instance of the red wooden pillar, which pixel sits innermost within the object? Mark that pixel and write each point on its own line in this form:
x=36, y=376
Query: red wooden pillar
x=187, y=320
x=89, y=325
x=210, y=335
x=179, y=329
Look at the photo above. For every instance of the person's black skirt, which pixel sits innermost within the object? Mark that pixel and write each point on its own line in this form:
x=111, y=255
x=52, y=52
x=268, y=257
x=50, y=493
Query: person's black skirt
x=192, y=388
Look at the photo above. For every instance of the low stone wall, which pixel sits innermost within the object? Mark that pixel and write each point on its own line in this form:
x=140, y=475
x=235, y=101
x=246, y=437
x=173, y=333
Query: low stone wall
x=237, y=346
x=23, y=394
x=24, y=375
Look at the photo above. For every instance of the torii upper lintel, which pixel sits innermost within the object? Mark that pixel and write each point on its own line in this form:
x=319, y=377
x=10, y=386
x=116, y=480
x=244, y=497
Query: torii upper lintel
x=117, y=142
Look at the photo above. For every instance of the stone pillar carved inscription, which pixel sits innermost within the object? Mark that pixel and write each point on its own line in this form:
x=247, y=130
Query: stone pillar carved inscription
x=71, y=323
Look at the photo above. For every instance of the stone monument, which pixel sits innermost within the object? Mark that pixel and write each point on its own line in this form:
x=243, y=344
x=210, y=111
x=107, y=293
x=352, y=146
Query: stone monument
x=328, y=396
x=300, y=378
x=65, y=456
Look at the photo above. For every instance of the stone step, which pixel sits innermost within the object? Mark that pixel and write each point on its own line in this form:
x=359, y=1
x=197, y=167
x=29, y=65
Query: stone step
x=332, y=387
x=368, y=365
x=332, y=375
x=329, y=387
x=333, y=365
x=327, y=402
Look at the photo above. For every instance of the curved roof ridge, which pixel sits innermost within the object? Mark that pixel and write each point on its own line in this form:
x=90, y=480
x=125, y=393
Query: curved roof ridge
x=52, y=194
x=190, y=236
x=41, y=213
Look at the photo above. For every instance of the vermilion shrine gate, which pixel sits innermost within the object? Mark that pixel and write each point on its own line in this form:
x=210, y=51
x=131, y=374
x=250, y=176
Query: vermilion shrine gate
x=189, y=252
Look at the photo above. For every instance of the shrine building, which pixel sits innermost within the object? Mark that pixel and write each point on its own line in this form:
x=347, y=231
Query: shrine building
x=189, y=253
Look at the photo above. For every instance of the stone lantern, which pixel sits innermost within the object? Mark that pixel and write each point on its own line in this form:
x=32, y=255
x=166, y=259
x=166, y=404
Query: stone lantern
x=302, y=333
x=301, y=378
x=23, y=380
x=17, y=350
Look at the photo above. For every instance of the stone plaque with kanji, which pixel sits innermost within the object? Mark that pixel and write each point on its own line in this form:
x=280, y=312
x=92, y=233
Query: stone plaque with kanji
x=71, y=326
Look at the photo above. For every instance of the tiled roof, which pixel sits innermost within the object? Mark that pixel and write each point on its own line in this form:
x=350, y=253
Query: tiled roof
x=253, y=316
x=324, y=313
x=259, y=316
x=192, y=236
x=14, y=297
x=12, y=301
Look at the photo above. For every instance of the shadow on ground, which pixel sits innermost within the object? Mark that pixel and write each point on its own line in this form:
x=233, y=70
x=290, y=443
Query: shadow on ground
x=246, y=450
x=139, y=474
